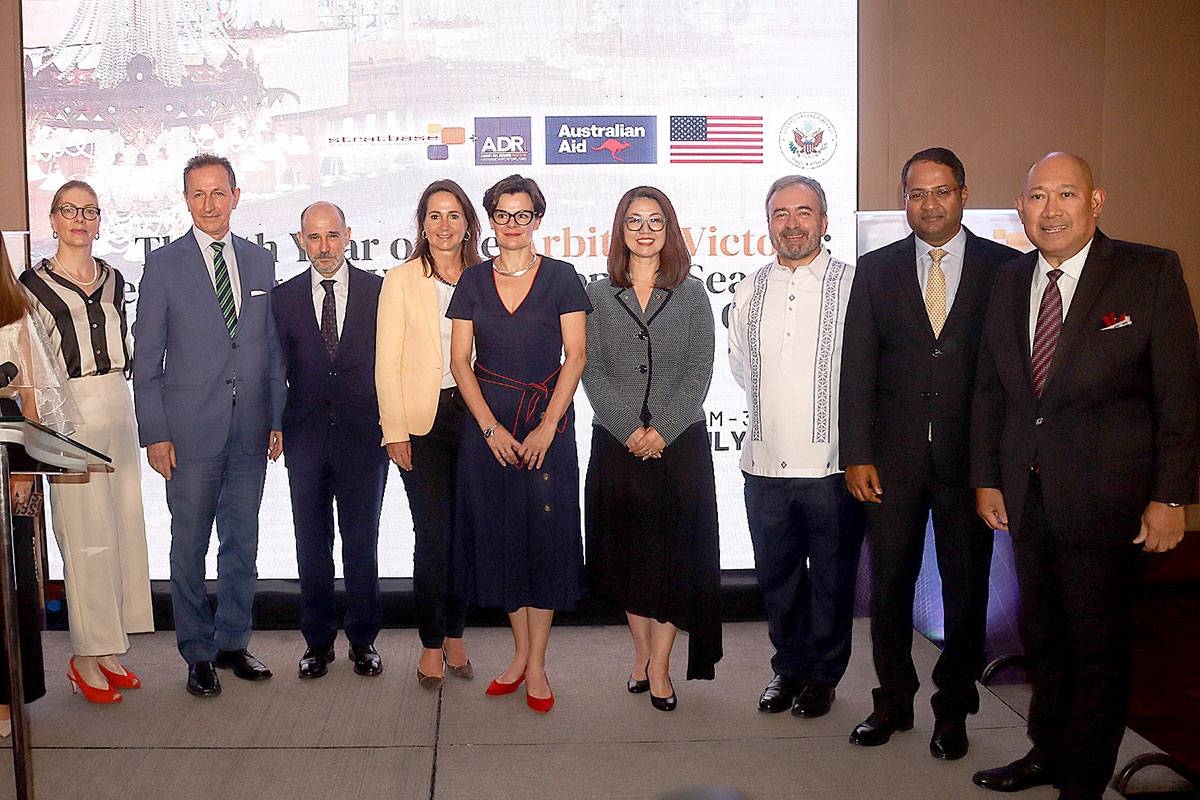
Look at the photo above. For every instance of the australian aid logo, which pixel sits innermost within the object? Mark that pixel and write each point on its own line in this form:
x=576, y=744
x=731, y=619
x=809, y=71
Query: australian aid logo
x=601, y=140
x=502, y=140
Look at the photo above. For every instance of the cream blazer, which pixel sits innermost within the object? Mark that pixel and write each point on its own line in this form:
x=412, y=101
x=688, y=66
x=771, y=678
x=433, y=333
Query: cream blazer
x=408, y=353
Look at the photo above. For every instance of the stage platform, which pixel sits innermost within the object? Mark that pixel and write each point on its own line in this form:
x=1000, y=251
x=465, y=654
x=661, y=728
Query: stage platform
x=344, y=736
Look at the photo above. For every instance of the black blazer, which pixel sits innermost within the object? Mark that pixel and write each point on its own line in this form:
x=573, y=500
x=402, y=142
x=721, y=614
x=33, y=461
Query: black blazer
x=897, y=379
x=1118, y=424
x=329, y=398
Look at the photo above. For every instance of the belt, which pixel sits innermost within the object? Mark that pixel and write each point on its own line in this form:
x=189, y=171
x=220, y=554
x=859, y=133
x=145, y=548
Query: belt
x=533, y=396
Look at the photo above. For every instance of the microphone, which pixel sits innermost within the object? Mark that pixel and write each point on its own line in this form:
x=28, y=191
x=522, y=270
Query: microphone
x=8, y=371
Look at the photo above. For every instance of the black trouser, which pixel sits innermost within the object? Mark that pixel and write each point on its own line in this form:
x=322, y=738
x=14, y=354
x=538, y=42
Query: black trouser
x=807, y=535
x=29, y=618
x=896, y=531
x=430, y=489
x=1077, y=623
x=356, y=480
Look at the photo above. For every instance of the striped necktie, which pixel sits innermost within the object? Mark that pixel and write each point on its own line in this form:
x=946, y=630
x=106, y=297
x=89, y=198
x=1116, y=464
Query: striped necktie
x=329, y=331
x=1046, y=330
x=224, y=289
x=935, y=292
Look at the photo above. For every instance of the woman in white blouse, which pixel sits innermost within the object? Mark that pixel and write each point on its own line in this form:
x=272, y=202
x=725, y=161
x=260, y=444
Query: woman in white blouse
x=421, y=411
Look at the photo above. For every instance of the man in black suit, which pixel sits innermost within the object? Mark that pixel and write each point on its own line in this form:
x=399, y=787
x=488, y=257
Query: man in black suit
x=1084, y=435
x=333, y=442
x=908, y=370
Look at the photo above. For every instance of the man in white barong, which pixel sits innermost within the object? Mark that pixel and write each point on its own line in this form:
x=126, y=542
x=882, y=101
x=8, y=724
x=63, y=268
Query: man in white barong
x=785, y=350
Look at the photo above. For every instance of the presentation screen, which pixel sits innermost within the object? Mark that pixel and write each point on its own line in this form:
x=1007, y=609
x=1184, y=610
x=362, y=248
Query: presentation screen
x=365, y=102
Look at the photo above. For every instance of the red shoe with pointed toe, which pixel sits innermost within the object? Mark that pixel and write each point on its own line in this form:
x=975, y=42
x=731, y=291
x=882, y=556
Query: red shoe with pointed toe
x=542, y=705
x=498, y=688
x=119, y=681
x=91, y=693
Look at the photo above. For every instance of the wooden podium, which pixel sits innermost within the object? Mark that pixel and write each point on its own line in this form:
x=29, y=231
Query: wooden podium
x=31, y=449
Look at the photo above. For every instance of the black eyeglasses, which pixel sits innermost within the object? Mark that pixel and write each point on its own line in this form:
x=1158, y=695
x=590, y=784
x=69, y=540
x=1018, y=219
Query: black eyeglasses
x=522, y=218
x=635, y=223
x=69, y=211
x=937, y=193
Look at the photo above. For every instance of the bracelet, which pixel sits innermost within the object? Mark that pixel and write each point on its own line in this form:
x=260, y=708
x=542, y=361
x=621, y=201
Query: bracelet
x=490, y=429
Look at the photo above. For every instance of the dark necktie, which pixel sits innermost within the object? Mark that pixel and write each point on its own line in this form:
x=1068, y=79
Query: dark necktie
x=224, y=288
x=329, y=332
x=1047, y=330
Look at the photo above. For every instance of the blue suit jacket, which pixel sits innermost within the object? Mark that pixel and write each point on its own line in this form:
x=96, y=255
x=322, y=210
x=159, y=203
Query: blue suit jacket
x=186, y=369
x=329, y=398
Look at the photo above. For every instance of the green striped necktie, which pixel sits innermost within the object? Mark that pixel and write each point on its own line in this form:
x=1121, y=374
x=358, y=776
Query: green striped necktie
x=224, y=289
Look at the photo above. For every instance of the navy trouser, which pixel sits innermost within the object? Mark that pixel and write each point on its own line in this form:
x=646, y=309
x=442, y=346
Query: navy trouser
x=807, y=535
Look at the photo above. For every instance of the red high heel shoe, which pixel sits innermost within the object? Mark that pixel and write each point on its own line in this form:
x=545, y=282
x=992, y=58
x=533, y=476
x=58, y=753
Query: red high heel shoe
x=118, y=681
x=542, y=705
x=497, y=688
x=91, y=693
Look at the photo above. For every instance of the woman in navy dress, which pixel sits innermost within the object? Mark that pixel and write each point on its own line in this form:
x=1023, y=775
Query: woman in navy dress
x=517, y=532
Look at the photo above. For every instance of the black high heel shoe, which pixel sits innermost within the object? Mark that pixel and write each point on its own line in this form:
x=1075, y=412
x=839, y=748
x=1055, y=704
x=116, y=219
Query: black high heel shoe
x=639, y=687
x=664, y=703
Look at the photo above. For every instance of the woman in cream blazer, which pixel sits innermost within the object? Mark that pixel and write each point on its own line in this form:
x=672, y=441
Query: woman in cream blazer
x=421, y=411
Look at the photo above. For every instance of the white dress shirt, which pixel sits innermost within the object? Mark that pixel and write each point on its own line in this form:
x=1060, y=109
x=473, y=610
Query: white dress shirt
x=444, y=292
x=235, y=282
x=341, y=284
x=952, y=264
x=785, y=350
x=1068, y=282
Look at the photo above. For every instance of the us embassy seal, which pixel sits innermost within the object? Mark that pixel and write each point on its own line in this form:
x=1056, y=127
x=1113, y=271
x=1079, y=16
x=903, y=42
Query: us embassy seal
x=808, y=140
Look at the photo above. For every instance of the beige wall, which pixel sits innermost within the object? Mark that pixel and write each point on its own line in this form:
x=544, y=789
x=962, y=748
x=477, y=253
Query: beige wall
x=999, y=81
x=1005, y=81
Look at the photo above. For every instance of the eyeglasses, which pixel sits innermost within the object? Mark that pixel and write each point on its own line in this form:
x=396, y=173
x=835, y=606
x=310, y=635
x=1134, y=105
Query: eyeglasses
x=636, y=223
x=937, y=193
x=69, y=211
x=522, y=218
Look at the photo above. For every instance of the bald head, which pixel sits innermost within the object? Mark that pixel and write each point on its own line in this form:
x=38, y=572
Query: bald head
x=1060, y=205
x=324, y=235
x=1063, y=160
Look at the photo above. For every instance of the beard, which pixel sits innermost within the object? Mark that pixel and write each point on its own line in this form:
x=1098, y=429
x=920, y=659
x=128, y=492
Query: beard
x=799, y=252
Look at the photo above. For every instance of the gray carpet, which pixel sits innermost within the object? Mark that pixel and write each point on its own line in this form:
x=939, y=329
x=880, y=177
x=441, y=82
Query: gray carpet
x=386, y=737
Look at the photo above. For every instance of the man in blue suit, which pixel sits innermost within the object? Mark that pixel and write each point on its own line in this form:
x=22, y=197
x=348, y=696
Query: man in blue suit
x=209, y=392
x=325, y=317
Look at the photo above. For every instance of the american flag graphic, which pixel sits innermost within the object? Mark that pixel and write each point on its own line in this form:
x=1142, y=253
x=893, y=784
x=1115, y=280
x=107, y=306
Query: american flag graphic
x=716, y=140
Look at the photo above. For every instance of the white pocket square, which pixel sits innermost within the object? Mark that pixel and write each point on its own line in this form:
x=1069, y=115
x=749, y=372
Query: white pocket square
x=257, y=292
x=1115, y=325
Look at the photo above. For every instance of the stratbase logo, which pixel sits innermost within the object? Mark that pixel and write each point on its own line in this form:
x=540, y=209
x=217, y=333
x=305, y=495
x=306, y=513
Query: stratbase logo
x=502, y=140
x=808, y=140
x=601, y=140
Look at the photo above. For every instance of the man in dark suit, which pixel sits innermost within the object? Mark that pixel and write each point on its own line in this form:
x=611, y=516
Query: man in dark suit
x=208, y=392
x=1084, y=435
x=908, y=370
x=326, y=322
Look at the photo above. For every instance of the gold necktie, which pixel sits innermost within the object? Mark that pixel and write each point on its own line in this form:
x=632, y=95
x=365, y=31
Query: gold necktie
x=935, y=292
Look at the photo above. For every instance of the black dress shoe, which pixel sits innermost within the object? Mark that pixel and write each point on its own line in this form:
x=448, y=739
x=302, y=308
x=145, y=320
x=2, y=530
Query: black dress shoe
x=1024, y=773
x=244, y=665
x=202, y=679
x=664, y=703
x=814, y=700
x=779, y=695
x=639, y=687
x=315, y=661
x=366, y=659
x=949, y=740
x=879, y=727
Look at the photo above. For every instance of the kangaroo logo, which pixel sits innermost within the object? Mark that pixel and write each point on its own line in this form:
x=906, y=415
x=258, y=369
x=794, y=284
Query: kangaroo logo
x=614, y=148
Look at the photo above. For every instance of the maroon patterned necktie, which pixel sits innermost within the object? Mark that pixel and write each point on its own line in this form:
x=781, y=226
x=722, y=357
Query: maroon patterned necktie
x=329, y=332
x=1047, y=330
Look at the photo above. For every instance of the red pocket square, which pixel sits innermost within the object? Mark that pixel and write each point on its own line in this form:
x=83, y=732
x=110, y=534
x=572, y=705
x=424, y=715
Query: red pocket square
x=1113, y=320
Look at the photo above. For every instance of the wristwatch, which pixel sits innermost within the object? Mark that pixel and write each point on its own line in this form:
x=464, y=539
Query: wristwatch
x=490, y=429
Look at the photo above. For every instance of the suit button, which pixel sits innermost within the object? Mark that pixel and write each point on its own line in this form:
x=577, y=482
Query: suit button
x=235, y=345
x=545, y=476
x=642, y=336
x=546, y=508
x=925, y=395
x=228, y=382
x=332, y=374
x=642, y=368
x=936, y=353
x=1038, y=421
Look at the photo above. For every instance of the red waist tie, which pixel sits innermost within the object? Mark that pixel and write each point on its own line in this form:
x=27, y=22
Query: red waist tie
x=533, y=396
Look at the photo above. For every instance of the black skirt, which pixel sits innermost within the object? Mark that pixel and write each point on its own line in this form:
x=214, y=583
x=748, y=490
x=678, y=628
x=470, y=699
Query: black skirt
x=652, y=544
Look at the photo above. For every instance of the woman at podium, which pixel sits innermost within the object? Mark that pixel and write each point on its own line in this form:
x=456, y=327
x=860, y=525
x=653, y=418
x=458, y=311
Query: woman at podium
x=98, y=522
x=34, y=387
